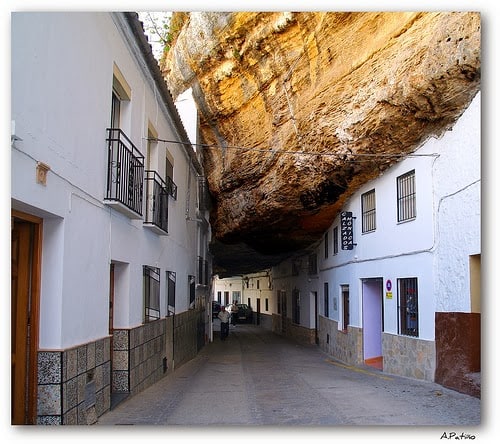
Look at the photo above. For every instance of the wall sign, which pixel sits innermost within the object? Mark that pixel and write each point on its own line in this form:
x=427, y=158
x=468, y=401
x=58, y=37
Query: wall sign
x=346, y=230
x=388, y=285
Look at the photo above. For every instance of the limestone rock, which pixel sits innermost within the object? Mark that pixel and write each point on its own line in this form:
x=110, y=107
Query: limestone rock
x=300, y=109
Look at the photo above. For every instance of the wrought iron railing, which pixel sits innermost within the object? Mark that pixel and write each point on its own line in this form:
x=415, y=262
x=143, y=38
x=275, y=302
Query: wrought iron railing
x=125, y=171
x=171, y=188
x=156, y=200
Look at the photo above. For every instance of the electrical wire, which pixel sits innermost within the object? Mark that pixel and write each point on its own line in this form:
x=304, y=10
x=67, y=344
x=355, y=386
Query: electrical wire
x=368, y=156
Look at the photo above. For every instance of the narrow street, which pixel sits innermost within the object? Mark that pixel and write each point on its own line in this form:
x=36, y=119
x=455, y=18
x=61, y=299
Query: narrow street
x=256, y=378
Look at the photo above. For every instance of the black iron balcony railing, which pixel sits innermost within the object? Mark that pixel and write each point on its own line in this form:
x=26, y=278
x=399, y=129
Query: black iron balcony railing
x=125, y=171
x=171, y=188
x=156, y=201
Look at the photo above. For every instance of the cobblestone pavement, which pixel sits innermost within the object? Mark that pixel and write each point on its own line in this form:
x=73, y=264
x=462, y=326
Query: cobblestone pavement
x=257, y=378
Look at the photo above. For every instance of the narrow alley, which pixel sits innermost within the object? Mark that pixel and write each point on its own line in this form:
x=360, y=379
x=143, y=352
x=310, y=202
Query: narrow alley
x=257, y=378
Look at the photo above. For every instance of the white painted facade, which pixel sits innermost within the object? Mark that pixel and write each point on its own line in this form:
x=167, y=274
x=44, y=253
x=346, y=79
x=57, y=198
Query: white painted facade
x=435, y=247
x=65, y=66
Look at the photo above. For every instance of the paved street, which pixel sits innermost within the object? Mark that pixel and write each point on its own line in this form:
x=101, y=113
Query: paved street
x=258, y=378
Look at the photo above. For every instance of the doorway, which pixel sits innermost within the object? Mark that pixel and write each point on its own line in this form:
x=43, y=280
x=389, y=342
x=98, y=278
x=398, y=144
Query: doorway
x=372, y=291
x=26, y=236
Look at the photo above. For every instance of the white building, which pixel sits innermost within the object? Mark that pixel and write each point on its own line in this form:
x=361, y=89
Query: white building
x=109, y=230
x=397, y=286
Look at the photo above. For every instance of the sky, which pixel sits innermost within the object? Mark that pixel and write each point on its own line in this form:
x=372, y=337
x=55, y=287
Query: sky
x=490, y=120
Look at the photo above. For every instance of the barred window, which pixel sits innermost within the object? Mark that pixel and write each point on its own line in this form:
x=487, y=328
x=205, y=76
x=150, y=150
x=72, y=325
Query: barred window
x=407, y=207
x=192, y=290
x=368, y=211
x=171, y=291
x=151, y=278
x=408, y=306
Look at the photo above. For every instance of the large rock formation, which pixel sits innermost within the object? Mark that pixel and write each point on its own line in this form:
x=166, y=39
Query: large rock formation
x=299, y=109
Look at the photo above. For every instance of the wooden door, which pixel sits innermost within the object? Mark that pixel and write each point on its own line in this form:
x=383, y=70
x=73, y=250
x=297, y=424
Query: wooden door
x=25, y=284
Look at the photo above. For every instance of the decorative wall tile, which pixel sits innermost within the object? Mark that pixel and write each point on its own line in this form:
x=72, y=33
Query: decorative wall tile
x=49, y=399
x=49, y=367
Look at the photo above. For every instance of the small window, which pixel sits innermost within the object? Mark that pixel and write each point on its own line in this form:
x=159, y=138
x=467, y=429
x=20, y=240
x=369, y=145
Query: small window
x=171, y=292
x=237, y=297
x=296, y=306
x=335, y=240
x=407, y=208
x=325, y=296
x=192, y=290
x=408, y=306
x=345, y=306
x=326, y=244
x=151, y=277
x=313, y=264
x=368, y=222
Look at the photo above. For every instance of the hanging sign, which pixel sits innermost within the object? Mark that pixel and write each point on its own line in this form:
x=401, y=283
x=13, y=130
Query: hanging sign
x=346, y=230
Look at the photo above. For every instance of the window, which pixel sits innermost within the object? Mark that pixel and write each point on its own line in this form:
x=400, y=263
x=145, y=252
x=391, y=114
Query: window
x=313, y=264
x=237, y=297
x=345, y=306
x=296, y=306
x=219, y=297
x=169, y=177
x=408, y=306
x=192, y=290
x=125, y=169
x=406, y=197
x=226, y=298
x=335, y=240
x=368, y=222
x=326, y=244
x=326, y=298
x=258, y=284
x=267, y=304
x=121, y=95
x=170, y=292
x=151, y=278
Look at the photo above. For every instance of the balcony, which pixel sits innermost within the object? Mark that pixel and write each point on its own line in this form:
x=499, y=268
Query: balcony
x=124, y=185
x=156, y=217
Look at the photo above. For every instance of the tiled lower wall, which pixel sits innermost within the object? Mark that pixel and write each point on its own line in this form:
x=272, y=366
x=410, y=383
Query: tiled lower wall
x=74, y=384
x=138, y=357
x=292, y=330
x=410, y=357
x=345, y=346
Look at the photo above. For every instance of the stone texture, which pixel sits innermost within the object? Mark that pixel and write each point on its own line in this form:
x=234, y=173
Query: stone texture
x=458, y=351
x=329, y=99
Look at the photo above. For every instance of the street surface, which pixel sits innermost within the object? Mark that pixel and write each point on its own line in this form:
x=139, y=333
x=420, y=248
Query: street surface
x=257, y=378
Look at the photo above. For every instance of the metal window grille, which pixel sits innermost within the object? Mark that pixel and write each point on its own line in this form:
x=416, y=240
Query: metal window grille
x=408, y=306
x=368, y=212
x=192, y=290
x=151, y=293
x=171, y=291
x=406, y=196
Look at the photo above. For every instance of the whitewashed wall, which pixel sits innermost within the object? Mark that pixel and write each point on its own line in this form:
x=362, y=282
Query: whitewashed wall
x=62, y=73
